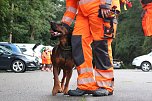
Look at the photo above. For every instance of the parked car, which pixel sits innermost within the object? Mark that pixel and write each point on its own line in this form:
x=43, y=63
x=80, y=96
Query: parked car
x=17, y=62
x=143, y=62
x=27, y=51
x=117, y=64
x=11, y=47
x=30, y=50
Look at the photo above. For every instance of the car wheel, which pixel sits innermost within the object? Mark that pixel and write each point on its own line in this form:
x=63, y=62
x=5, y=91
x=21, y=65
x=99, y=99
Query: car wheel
x=145, y=66
x=18, y=66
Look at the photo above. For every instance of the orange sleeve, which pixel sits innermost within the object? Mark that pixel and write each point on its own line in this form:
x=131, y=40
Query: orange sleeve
x=71, y=10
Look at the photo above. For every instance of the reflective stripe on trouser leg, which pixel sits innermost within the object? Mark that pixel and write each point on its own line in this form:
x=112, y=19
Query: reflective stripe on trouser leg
x=103, y=63
x=105, y=79
x=83, y=56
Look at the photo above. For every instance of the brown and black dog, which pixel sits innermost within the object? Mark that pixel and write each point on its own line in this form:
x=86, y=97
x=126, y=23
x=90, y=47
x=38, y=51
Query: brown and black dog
x=61, y=58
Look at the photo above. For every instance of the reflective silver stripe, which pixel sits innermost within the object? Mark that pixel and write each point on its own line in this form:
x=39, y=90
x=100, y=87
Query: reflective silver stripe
x=107, y=1
x=67, y=19
x=84, y=70
x=71, y=9
x=107, y=75
x=81, y=2
x=105, y=83
x=85, y=80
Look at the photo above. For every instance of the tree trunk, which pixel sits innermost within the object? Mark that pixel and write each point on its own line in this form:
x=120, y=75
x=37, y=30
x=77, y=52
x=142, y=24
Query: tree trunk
x=10, y=37
x=32, y=33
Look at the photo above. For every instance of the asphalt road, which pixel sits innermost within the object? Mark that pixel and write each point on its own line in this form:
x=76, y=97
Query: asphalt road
x=130, y=85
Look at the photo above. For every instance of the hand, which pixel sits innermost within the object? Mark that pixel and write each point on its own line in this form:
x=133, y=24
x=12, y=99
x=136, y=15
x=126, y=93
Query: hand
x=105, y=12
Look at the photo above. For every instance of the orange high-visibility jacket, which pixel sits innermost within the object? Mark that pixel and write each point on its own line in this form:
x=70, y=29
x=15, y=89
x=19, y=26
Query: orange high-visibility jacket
x=147, y=19
x=46, y=57
x=86, y=6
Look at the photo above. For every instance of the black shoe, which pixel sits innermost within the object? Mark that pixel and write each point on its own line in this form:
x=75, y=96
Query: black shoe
x=102, y=92
x=79, y=92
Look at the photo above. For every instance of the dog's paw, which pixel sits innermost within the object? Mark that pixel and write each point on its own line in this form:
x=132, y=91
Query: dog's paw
x=56, y=90
x=65, y=91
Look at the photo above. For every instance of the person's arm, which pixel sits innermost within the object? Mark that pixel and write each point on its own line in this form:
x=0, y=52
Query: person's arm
x=70, y=13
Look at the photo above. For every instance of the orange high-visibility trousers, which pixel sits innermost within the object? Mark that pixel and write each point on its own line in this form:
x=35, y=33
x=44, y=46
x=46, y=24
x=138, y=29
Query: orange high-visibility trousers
x=147, y=20
x=89, y=30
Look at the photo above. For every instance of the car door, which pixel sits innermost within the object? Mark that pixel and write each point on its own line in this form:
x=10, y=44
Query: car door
x=5, y=59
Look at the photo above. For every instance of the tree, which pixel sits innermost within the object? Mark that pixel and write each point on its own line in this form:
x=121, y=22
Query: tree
x=129, y=39
x=27, y=21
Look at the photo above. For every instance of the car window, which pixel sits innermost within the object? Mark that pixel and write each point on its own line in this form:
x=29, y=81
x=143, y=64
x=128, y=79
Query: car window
x=4, y=51
x=8, y=47
x=16, y=49
x=1, y=51
x=150, y=54
x=23, y=49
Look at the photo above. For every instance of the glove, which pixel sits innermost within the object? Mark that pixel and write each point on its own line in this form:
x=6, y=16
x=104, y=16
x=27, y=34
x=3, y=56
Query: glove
x=113, y=12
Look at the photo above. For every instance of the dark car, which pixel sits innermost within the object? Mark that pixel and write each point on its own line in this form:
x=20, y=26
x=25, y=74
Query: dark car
x=17, y=62
x=11, y=47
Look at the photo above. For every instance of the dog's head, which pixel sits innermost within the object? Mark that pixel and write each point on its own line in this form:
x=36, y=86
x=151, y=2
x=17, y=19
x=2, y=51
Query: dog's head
x=59, y=29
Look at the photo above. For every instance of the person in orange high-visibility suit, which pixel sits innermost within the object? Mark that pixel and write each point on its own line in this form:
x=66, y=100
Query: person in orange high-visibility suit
x=92, y=27
x=46, y=59
x=147, y=17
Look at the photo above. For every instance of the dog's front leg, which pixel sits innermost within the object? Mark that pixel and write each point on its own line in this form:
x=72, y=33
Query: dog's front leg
x=57, y=88
x=63, y=79
x=68, y=77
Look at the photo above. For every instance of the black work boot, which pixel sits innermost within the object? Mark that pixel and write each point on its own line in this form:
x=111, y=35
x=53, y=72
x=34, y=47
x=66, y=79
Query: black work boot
x=77, y=92
x=102, y=92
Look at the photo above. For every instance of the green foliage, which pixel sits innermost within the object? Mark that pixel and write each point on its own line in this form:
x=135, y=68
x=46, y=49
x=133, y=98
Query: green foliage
x=27, y=20
x=147, y=45
x=129, y=39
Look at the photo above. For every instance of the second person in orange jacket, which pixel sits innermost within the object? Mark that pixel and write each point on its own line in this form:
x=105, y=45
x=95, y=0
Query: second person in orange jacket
x=46, y=59
x=147, y=17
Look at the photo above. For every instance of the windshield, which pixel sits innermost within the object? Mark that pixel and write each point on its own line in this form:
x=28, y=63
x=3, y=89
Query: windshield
x=13, y=48
x=5, y=50
x=150, y=54
x=16, y=49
